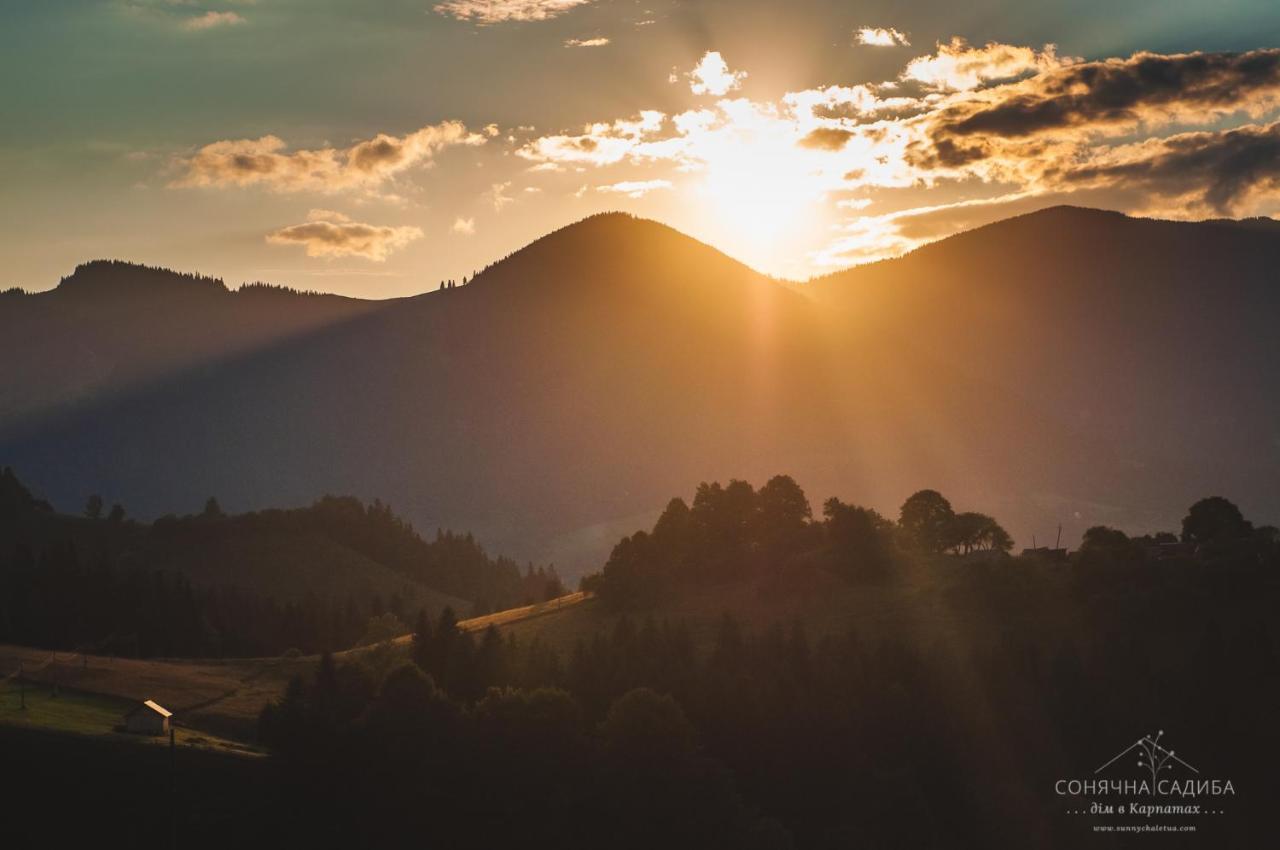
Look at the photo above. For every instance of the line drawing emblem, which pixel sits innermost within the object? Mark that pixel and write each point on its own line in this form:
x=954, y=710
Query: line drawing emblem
x=1151, y=755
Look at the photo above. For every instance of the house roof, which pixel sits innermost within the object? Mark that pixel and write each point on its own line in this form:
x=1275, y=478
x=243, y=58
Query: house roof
x=153, y=706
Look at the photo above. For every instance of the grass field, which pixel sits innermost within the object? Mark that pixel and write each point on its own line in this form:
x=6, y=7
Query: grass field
x=100, y=715
x=217, y=700
x=221, y=698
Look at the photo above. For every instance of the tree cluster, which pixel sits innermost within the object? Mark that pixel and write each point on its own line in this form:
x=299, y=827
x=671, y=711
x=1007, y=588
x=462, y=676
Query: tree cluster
x=735, y=532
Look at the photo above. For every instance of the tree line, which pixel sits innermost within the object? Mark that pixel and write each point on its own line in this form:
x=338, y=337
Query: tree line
x=644, y=736
x=737, y=533
x=110, y=584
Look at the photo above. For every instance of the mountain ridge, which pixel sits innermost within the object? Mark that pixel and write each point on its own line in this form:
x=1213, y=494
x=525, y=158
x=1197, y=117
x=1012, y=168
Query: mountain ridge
x=554, y=402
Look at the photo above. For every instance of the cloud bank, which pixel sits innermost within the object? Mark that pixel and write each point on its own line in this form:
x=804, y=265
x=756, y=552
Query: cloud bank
x=1003, y=126
x=366, y=164
x=328, y=234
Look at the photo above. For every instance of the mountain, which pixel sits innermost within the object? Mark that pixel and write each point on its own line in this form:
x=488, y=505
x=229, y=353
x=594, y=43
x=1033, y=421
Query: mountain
x=1069, y=366
x=1151, y=342
x=111, y=327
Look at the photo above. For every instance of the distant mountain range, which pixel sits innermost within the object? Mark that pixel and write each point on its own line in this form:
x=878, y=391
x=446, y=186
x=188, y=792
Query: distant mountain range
x=1068, y=366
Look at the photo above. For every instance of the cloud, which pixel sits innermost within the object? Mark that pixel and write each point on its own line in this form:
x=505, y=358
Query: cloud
x=486, y=12
x=858, y=104
x=326, y=215
x=1205, y=172
x=327, y=234
x=881, y=37
x=635, y=188
x=712, y=76
x=599, y=41
x=210, y=20
x=600, y=143
x=994, y=129
x=826, y=138
x=364, y=165
x=464, y=226
x=868, y=238
x=958, y=67
x=1126, y=92
x=1040, y=127
x=497, y=195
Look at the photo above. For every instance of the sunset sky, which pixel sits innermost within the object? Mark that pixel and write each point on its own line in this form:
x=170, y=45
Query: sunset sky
x=373, y=149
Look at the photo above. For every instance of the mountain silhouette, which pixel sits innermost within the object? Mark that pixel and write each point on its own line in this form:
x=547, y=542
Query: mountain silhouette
x=1068, y=366
x=110, y=327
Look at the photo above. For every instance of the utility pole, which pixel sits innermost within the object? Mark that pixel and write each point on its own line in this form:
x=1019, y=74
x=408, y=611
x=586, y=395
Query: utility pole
x=22, y=687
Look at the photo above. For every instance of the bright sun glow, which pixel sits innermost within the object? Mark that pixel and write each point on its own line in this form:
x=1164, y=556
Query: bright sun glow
x=764, y=193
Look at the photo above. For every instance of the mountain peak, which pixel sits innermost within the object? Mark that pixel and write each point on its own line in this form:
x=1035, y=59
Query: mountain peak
x=615, y=250
x=117, y=278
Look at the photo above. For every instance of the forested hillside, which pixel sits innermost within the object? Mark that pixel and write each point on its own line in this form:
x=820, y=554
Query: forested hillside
x=213, y=584
x=943, y=723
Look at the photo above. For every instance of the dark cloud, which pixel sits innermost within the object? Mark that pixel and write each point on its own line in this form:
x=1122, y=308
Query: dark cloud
x=1123, y=92
x=1218, y=170
x=382, y=151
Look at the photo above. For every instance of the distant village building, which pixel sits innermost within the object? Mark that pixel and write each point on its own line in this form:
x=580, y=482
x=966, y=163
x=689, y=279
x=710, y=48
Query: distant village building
x=1046, y=552
x=1167, y=551
x=150, y=718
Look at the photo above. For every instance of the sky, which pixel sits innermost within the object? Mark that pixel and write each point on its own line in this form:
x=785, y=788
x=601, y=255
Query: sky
x=376, y=148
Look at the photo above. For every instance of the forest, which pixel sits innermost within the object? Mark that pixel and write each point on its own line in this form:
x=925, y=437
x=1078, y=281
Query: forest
x=941, y=732
x=104, y=584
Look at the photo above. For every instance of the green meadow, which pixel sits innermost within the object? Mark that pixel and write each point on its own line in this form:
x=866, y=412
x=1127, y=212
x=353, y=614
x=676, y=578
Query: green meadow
x=80, y=713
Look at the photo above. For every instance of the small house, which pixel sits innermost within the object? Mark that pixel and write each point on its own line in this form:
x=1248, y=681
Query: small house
x=150, y=718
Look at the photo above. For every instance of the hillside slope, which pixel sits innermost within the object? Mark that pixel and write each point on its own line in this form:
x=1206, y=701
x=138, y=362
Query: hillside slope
x=285, y=564
x=111, y=327
x=1152, y=341
x=1069, y=366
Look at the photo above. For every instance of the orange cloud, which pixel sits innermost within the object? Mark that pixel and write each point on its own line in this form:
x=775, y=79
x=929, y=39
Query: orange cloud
x=327, y=234
x=265, y=161
x=486, y=12
x=957, y=66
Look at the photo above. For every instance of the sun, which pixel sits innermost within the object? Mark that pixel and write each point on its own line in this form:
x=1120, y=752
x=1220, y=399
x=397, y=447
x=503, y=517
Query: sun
x=764, y=196
x=766, y=200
